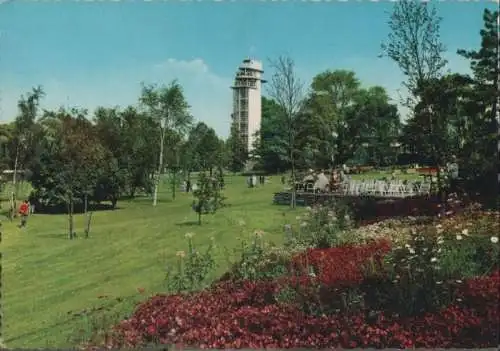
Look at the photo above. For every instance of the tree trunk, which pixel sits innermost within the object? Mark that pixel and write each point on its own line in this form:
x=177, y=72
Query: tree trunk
x=13, y=196
x=87, y=215
x=87, y=224
x=293, y=200
x=160, y=166
x=70, y=218
x=174, y=183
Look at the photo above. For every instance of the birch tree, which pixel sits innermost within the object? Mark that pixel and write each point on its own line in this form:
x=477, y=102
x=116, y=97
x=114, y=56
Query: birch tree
x=288, y=92
x=169, y=108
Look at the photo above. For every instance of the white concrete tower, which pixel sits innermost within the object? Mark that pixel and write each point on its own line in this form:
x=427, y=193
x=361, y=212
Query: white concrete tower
x=247, y=104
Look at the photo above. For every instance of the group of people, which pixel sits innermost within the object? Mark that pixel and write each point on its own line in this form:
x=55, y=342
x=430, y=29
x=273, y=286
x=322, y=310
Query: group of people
x=187, y=186
x=253, y=180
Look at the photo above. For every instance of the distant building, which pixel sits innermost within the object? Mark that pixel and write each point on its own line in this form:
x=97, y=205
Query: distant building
x=247, y=105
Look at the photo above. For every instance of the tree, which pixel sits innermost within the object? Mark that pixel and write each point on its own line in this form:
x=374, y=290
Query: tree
x=208, y=196
x=238, y=155
x=140, y=151
x=24, y=133
x=169, y=108
x=288, y=92
x=414, y=44
x=271, y=142
x=205, y=147
x=69, y=162
x=481, y=145
x=330, y=119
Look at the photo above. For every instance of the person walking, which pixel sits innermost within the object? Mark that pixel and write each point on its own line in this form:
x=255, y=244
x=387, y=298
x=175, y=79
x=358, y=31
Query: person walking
x=24, y=210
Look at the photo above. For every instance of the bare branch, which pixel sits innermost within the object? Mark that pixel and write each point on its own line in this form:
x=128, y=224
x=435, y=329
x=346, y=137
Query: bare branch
x=414, y=43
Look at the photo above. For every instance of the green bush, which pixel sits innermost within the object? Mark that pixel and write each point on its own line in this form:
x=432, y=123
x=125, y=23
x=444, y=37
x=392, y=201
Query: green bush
x=321, y=226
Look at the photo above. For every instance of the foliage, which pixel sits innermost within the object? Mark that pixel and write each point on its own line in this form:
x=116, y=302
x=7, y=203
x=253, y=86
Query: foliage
x=261, y=322
x=321, y=227
x=238, y=154
x=256, y=260
x=272, y=139
x=480, y=111
x=205, y=148
x=208, y=196
x=288, y=92
x=167, y=106
x=414, y=43
x=192, y=268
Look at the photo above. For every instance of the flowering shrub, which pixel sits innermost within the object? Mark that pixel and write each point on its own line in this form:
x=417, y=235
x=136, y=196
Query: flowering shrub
x=342, y=266
x=320, y=227
x=192, y=267
x=396, y=230
x=257, y=259
x=392, y=290
x=245, y=315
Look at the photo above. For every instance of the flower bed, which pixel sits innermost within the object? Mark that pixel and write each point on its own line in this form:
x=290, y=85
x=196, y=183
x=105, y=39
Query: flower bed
x=343, y=266
x=436, y=286
x=245, y=315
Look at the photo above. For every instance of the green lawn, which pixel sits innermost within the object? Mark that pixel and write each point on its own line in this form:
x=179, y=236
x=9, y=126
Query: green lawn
x=48, y=278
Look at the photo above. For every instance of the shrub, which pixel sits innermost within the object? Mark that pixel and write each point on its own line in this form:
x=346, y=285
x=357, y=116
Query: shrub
x=320, y=227
x=257, y=259
x=208, y=196
x=192, y=268
x=246, y=315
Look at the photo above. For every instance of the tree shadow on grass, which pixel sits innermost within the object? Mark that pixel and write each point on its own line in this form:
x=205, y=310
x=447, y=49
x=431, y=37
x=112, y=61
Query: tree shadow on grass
x=78, y=209
x=187, y=224
x=63, y=236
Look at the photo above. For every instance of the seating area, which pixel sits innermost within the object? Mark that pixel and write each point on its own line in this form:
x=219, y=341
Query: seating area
x=382, y=188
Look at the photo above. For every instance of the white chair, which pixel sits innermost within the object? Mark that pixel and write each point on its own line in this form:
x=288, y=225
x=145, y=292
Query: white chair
x=425, y=188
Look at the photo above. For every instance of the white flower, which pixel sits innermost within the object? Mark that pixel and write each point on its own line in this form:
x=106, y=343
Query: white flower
x=407, y=246
x=459, y=237
x=308, y=208
x=465, y=232
x=494, y=239
x=346, y=217
x=439, y=283
x=411, y=250
x=312, y=275
x=434, y=259
x=458, y=281
x=439, y=226
x=303, y=224
x=189, y=235
x=440, y=241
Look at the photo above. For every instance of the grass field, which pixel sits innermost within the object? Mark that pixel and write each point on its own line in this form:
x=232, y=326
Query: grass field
x=49, y=281
x=48, y=278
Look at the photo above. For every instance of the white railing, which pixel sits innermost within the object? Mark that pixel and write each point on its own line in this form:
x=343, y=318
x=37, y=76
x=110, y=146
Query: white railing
x=393, y=188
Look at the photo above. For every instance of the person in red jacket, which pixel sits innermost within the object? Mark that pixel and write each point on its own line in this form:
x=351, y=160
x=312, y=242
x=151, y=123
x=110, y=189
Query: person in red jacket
x=24, y=210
